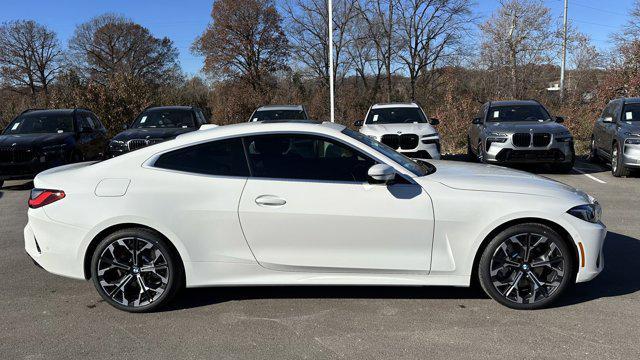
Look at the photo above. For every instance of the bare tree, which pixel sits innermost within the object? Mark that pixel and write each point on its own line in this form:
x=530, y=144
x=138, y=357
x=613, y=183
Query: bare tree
x=30, y=55
x=380, y=18
x=245, y=40
x=308, y=21
x=364, y=57
x=520, y=33
x=428, y=32
x=112, y=44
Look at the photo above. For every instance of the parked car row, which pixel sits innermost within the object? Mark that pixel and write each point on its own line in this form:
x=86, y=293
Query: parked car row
x=503, y=132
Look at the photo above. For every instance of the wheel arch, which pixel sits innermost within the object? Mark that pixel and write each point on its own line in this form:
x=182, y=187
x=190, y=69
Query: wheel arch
x=568, y=239
x=113, y=228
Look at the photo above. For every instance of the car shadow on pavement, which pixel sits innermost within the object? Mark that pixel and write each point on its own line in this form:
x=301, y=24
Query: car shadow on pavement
x=620, y=274
x=23, y=186
x=191, y=298
x=618, y=278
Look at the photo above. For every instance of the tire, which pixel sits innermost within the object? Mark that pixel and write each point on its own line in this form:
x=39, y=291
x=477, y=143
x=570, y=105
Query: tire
x=142, y=285
x=1, y=183
x=470, y=155
x=481, y=156
x=617, y=166
x=593, y=152
x=525, y=283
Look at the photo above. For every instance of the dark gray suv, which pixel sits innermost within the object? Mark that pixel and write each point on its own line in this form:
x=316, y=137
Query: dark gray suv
x=519, y=132
x=616, y=136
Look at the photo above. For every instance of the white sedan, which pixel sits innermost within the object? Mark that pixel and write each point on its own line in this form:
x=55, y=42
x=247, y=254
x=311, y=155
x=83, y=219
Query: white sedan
x=303, y=203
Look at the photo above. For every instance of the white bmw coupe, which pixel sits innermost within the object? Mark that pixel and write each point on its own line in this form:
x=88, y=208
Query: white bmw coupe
x=304, y=203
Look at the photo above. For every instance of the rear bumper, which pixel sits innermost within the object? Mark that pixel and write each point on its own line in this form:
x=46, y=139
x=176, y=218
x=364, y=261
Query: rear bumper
x=54, y=246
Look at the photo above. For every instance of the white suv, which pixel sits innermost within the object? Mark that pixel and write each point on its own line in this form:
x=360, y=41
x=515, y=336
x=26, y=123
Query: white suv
x=403, y=127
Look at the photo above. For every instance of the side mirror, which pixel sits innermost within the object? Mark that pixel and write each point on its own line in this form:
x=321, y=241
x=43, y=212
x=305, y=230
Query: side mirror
x=607, y=119
x=358, y=123
x=381, y=173
x=434, y=121
x=559, y=119
x=476, y=121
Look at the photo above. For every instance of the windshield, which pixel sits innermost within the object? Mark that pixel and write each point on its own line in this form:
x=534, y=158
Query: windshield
x=405, y=115
x=631, y=112
x=420, y=169
x=279, y=115
x=170, y=118
x=518, y=113
x=40, y=124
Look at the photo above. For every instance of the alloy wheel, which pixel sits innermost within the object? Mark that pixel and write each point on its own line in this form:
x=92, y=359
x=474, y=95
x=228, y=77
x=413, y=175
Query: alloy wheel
x=133, y=271
x=527, y=268
x=614, y=159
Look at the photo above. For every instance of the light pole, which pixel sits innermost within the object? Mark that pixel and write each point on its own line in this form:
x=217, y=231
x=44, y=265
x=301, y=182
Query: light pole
x=331, y=94
x=564, y=51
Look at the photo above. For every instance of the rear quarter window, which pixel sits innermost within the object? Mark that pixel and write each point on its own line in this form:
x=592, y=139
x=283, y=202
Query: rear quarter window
x=221, y=157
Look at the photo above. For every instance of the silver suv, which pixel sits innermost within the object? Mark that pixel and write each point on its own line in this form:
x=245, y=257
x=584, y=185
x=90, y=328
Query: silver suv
x=520, y=132
x=616, y=136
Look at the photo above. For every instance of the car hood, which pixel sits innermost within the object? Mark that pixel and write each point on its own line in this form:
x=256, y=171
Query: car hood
x=491, y=178
x=151, y=133
x=411, y=128
x=526, y=126
x=35, y=140
x=631, y=127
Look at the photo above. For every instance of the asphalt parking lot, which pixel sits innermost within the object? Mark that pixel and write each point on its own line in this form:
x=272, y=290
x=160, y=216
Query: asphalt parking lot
x=46, y=316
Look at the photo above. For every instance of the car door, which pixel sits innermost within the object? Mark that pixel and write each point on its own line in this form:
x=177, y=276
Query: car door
x=308, y=206
x=100, y=134
x=609, y=130
x=87, y=136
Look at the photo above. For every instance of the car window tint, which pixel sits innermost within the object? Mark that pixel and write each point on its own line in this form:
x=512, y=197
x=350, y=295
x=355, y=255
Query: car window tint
x=306, y=157
x=99, y=125
x=221, y=157
x=88, y=121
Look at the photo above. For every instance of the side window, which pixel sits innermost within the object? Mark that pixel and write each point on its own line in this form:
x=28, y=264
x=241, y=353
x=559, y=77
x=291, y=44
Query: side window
x=201, y=117
x=307, y=157
x=98, y=124
x=85, y=121
x=615, y=111
x=221, y=157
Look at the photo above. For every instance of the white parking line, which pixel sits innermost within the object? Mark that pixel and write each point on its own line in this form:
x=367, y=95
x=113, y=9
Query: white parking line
x=590, y=176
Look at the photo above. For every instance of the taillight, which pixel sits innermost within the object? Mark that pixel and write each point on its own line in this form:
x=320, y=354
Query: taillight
x=42, y=197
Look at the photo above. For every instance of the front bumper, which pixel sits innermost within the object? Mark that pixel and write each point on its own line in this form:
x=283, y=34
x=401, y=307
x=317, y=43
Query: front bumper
x=589, y=241
x=631, y=155
x=29, y=169
x=506, y=153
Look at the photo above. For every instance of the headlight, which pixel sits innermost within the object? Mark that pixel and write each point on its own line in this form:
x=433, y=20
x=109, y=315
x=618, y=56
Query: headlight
x=53, y=148
x=588, y=212
x=563, y=136
x=632, y=141
x=631, y=134
x=116, y=145
x=492, y=133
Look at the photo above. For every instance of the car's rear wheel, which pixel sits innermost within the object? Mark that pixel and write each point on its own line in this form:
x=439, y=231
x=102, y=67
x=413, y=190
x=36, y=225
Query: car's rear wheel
x=135, y=270
x=526, y=267
x=617, y=166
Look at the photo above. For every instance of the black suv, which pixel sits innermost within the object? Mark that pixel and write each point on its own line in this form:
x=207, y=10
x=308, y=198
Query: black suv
x=37, y=140
x=155, y=125
x=616, y=136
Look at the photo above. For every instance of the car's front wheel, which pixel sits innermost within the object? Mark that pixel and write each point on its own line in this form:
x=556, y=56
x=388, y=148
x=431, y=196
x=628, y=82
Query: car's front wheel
x=617, y=165
x=526, y=267
x=593, y=151
x=134, y=270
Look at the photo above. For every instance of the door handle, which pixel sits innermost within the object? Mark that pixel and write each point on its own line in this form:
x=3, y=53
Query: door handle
x=270, y=200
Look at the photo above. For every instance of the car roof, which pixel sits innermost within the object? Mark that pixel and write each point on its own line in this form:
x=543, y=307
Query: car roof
x=395, y=105
x=280, y=107
x=176, y=107
x=50, y=111
x=514, y=102
x=631, y=100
